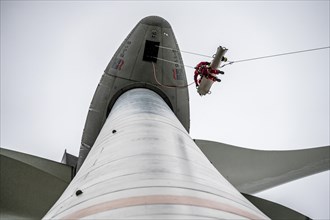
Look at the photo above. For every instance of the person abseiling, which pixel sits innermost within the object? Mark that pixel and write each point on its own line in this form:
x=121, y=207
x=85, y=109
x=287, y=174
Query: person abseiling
x=203, y=69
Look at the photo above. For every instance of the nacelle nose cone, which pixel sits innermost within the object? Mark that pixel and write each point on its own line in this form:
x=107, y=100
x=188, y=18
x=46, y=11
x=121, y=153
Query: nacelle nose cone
x=136, y=65
x=155, y=21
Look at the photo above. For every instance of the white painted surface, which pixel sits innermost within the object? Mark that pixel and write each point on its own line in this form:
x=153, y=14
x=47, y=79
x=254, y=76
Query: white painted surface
x=145, y=165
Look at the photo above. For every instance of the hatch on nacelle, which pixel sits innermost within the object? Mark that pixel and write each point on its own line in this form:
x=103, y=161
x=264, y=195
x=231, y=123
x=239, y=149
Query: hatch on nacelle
x=151, y=51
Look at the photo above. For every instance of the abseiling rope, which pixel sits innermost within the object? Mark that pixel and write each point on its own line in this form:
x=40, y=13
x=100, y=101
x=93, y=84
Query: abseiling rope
x=173, y=62
x=228, y=63
x=243, y=60
x=182, y=51
x=167, y=86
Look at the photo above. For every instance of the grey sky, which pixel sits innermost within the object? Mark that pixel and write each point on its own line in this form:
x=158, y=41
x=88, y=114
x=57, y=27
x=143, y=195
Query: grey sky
x=54, y=53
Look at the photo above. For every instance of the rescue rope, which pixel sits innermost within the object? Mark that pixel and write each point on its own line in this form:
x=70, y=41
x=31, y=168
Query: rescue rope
x=274, y=55
x=239, y=61
x=167, y=86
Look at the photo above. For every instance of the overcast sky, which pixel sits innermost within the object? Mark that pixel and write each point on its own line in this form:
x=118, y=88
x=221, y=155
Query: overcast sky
x=53, y=54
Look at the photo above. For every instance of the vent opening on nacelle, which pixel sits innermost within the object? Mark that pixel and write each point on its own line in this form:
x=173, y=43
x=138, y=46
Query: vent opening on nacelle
x=151, y=51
